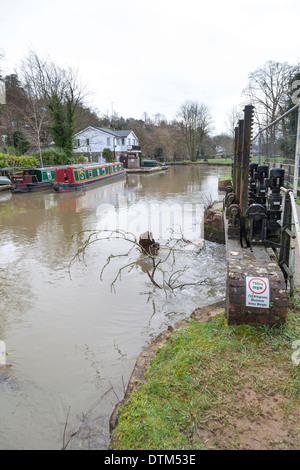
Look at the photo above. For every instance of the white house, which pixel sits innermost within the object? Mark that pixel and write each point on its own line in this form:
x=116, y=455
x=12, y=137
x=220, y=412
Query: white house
x=91, y=142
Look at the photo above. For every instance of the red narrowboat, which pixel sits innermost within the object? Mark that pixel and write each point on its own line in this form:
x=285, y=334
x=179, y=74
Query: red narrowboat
x=76, y=177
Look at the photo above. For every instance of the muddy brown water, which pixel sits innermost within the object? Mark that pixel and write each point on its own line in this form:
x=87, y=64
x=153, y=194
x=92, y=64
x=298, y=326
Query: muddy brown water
x=72, y=341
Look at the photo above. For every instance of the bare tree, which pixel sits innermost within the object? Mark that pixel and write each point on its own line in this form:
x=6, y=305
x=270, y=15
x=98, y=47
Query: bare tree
x=195, y=122
x=232, y=119
x=54, y=93
x=268, y=89
x=34, y=109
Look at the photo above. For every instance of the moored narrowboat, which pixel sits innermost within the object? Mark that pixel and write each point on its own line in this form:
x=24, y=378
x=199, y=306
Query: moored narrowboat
x=76, y=177
x=33, y=179
x=5, y=182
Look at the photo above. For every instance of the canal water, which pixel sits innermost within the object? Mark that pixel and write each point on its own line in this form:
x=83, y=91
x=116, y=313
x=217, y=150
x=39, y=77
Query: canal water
x=72, y=340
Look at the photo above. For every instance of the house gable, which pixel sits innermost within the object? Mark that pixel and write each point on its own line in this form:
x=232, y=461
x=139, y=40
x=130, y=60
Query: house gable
x=91, y=142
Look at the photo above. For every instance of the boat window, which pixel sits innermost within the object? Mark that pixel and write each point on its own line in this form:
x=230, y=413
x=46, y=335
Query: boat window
x=49, y=175
x=90, y=173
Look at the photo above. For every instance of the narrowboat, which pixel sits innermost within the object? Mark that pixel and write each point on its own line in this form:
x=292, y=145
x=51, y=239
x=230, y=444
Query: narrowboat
x=5, y=182
x=76, y=177
x=149, y=163
x=33, y=179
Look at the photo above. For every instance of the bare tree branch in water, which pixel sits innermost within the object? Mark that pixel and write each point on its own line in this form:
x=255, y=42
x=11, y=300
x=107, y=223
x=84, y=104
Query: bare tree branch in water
x=150, y=263
x=85, y=420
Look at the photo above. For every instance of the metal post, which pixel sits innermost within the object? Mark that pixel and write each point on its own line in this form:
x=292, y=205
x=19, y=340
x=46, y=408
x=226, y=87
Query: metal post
x=248, y=115
x=235, y=152
x=259, y=146
x=239, y=160
x=284, y=259
x=297, y=156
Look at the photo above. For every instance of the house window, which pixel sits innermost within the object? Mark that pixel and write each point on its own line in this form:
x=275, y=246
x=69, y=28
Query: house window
x=87, y=142
x=108, y=140
x=78, y=143
x=123, y=141
x=118, y=141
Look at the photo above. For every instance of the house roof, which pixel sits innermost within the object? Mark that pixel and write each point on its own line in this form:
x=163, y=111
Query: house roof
x=115, y=133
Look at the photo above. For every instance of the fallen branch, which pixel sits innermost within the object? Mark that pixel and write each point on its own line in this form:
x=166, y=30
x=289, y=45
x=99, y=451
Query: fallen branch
x=85, y=415
x=147, y=252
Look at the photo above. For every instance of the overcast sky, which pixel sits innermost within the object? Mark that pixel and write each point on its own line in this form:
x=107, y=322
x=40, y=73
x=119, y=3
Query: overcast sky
x=137, y=56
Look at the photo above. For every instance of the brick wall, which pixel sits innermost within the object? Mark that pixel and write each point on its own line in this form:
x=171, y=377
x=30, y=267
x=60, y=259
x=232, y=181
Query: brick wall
x=236, y=310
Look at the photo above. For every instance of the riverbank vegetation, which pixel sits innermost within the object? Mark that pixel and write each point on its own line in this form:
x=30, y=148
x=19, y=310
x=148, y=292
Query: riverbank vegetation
x=46, y=103
x=212, y=386
x=51, y=156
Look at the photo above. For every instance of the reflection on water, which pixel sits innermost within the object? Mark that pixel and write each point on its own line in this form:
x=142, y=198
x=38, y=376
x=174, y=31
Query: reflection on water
x=72, y=341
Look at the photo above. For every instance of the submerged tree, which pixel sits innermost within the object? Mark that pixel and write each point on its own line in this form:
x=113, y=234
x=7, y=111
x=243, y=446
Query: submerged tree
x=160, y=268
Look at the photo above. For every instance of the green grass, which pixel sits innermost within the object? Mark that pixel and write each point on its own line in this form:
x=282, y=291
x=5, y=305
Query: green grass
x=193, y=387
x=225, y=161
x=225, y=177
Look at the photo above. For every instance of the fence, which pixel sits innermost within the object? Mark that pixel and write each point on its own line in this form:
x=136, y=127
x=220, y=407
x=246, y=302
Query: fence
x=261, y=204
x=278, y=146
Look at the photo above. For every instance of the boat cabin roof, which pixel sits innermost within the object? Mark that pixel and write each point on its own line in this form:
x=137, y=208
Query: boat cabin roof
x=13, y=168
x=87, y=166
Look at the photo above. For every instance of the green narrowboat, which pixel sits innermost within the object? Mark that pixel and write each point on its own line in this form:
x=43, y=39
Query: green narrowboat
x=33, y=179
x=76, y=177
x=149, y=163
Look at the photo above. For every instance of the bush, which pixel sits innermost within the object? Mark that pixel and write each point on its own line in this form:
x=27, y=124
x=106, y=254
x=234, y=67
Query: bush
x=50, y=157
x=108, y=155
x=79, y=159
x=57, y=156
x=53, y=156
x=17, y=162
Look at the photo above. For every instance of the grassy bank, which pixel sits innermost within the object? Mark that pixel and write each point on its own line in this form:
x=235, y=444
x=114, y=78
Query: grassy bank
x=226, y=177
x=217, y=161
x=214, y=386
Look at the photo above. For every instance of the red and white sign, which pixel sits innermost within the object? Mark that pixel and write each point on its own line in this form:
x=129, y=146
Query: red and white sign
x=257, y=292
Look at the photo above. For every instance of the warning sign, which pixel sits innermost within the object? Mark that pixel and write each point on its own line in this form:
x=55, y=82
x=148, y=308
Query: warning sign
x=257, y=292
